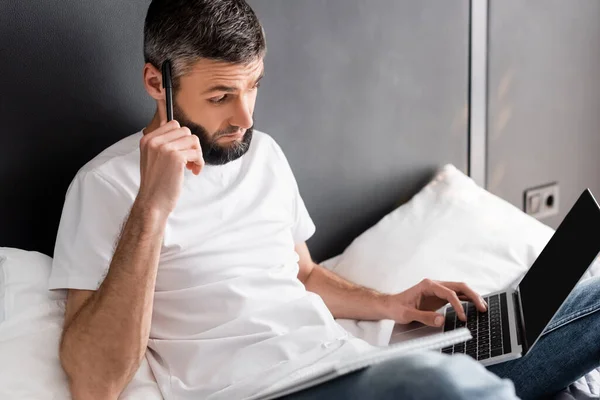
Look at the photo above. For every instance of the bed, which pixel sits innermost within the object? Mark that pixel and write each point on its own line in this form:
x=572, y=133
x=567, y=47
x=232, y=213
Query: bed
x=411, y=104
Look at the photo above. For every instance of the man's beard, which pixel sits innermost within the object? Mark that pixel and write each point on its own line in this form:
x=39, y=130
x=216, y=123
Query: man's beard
x=213, y=152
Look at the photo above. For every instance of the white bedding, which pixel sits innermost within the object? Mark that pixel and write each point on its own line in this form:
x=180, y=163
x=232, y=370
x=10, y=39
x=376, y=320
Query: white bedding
x=30, y=367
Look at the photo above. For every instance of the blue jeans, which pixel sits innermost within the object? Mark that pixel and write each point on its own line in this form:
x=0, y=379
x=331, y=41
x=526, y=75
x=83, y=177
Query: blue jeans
x=568, y=349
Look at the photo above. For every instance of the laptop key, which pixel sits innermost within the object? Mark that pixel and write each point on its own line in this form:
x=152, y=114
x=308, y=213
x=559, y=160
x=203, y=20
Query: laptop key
x=496, y=352
x=449, y=323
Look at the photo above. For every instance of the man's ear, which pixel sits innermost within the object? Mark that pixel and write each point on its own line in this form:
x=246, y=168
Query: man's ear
x=153, y=82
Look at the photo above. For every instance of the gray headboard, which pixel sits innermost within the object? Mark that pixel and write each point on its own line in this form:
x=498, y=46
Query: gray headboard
x=366, y=98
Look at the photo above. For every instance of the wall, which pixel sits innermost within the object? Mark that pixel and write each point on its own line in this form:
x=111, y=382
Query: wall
x=366, y=98
x=544, y=98
x=71, y=85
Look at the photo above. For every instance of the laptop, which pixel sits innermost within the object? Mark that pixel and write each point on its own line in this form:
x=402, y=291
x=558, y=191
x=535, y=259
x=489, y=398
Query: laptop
x=516, y=317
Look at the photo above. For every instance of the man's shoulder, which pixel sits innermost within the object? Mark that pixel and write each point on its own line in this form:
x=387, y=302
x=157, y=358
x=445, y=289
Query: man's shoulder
x=264, y=142
x=262, y=138
x=117, y=165
x=120, y=150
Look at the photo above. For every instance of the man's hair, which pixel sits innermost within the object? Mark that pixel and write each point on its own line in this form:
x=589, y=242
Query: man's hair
x=184, y=31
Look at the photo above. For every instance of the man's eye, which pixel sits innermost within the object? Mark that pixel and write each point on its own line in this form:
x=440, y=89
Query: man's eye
x=219, y=100
x=257, y=85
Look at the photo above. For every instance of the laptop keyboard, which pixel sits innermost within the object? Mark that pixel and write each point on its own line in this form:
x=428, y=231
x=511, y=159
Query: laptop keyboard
x=491, y=336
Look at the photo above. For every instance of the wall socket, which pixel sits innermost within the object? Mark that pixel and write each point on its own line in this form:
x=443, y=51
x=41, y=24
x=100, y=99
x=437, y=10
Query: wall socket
x=542, y=201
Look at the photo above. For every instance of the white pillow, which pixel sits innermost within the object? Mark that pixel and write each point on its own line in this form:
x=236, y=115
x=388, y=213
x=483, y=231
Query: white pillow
x=30, y=333
x=30, y=367
x=451, y=230
x=24, y=281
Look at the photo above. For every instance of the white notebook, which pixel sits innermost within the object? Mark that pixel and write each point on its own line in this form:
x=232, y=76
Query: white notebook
x=325, y=372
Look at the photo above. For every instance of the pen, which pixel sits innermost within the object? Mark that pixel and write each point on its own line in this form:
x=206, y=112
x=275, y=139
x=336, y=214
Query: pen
x=168, y=85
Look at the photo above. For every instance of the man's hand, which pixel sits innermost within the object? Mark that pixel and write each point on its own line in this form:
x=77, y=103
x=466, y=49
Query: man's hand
x=164, y=155
x=420, y=302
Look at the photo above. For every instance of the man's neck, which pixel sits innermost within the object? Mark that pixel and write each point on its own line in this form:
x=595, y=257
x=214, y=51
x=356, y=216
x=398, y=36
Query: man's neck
x=154, y=124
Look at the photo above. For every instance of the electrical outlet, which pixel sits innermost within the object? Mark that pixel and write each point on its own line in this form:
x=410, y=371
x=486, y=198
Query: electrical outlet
x=542, y=201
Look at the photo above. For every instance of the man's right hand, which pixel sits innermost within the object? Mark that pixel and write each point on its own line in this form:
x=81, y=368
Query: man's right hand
x=164, y=155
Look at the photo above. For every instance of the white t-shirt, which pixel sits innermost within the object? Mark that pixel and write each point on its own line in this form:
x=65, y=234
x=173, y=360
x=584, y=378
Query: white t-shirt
x=230, y=317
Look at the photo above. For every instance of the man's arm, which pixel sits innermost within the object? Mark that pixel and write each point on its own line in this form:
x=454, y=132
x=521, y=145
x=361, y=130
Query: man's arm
x=343, y=298
x=106, y=331
x=105, y=338
x=418, y=303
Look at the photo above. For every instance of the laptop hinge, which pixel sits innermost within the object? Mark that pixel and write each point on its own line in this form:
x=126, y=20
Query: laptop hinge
x=521, y=337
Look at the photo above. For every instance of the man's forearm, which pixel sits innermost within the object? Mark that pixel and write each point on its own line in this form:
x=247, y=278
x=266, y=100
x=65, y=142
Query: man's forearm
x=105, y=341
x=346, y=299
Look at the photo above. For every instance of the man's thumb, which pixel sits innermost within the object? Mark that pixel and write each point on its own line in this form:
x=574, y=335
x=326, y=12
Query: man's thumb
x=429, y=318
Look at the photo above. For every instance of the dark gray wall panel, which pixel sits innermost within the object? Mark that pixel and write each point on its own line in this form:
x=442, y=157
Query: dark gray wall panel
x=71, y=85
x=366, y=98
x=544, y=104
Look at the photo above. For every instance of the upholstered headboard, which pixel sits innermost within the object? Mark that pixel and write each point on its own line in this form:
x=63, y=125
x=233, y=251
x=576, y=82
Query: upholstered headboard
x=366, y=99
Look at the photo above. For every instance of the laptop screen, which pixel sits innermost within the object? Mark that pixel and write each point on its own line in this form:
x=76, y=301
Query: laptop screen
x=560, y=265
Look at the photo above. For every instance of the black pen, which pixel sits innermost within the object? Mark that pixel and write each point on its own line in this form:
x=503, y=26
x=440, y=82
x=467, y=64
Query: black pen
x=168, y=86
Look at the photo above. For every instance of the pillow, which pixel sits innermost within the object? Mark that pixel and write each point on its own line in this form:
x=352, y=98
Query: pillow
x=24, y=281
x=31, y=330
x=451, y=230
x=31, y=367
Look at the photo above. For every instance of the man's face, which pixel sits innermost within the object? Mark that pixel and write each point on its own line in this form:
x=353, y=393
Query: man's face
x=215, y=100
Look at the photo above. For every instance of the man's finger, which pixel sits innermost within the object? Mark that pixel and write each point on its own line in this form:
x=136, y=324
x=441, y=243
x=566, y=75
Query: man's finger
x=168, y=137
x=430, y=318
x=193, y=156
x=169, y=126
x=185, y=142
x=463, y=288
x=450, y=295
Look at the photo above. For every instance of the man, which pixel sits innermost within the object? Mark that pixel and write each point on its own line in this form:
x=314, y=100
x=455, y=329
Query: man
x=188, y=239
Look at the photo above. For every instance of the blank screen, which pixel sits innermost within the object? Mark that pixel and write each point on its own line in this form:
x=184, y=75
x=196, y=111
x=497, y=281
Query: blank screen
x=559, y=267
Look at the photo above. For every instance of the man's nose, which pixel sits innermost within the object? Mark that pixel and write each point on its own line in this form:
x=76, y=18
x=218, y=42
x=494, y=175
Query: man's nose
x=242, y=116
